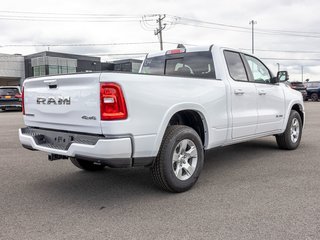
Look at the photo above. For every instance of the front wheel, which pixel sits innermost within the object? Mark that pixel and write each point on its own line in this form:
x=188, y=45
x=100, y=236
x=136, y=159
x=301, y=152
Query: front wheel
x=291, y=137
x=180, y=159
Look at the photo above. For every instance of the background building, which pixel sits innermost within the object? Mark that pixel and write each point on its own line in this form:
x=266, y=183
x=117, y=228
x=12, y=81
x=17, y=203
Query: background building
x=12, y=71
x=127, y=65
x=15, y=68
x=53, y=63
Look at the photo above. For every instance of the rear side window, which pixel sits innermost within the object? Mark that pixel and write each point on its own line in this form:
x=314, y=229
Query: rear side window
x=193, y=64
x=8, y=91
x=235, y=66
x=154, y=66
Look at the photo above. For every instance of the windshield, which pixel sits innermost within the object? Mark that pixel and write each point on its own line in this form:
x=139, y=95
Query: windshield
x=194, y=64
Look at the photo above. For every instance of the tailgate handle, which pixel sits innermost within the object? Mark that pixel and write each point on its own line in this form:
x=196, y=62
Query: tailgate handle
x=51, y=83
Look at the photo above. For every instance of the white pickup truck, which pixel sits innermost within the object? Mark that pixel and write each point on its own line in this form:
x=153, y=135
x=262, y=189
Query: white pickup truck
x=183, y=102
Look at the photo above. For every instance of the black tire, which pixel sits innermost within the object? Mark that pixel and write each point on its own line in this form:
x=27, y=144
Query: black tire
x=86, y=165
x=285, y=140
x=163, y=172
x=314, y=97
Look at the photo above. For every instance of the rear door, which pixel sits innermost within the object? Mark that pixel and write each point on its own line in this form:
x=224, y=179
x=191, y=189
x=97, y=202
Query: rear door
x=243, y=97
x=270, y=98
x=66, y=102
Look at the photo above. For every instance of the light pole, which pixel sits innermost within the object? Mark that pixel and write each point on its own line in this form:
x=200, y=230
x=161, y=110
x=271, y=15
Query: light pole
x=301, y=73
x=278, y=67
x=252, y=22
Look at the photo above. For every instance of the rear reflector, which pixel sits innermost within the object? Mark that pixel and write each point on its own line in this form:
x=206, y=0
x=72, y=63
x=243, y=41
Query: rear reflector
x=112, y=103
x=176, y=51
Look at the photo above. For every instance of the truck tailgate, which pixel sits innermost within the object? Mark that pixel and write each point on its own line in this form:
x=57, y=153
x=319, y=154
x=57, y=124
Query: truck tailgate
x=66, y=102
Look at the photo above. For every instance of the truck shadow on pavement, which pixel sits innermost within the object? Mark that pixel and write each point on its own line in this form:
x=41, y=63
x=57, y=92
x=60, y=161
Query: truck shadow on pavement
x=122, y=185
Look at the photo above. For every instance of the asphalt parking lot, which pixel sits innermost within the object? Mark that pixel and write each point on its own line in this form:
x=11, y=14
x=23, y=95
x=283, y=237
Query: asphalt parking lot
x=247, y=191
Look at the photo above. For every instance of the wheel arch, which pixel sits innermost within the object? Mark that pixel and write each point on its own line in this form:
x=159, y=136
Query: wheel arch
x=299, y=108
x=192, y=115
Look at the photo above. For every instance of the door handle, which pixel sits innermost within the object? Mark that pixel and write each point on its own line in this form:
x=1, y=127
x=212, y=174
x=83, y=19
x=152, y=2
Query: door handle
x=238, y=92
x=50, y=82
x=262, y=92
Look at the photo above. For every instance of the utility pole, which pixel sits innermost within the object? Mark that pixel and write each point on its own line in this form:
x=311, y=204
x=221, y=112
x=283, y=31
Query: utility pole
x=278, y=67
x=252, y=22
x=159, y=30
x=301, y=73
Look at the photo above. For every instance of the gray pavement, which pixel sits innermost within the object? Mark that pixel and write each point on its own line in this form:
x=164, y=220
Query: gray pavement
x=247, y=191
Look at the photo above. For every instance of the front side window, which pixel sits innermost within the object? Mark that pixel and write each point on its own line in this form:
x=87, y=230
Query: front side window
x=259, y=71
x=235, y=66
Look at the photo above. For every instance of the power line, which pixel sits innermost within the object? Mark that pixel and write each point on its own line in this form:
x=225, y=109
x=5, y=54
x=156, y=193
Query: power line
x=76, y=44
x=172, y=20
x=184, y=20
x=235, y=28
x=293, y=59
x=284, y=51
x=72, y=14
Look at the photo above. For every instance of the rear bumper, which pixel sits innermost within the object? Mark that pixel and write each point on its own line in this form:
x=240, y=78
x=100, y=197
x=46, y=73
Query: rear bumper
x=115, y=152
x=10, y=104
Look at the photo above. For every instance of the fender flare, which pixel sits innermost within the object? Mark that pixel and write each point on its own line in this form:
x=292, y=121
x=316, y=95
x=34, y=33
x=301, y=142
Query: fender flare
x=289, y=108
x=169, y=114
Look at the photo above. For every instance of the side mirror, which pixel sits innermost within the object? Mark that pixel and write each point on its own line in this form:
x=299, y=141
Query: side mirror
x=282, y=76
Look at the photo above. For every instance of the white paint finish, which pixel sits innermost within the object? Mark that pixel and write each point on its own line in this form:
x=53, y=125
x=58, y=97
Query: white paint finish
x=152, y=101
x=271, y=107
x=143, y=145
x=244, y=109
x=84, y=91
x=106, y=148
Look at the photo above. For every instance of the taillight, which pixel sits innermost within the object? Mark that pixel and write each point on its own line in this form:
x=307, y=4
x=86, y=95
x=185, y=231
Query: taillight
x=176, y=51
x=18, y=96
x=22, y=101
x=112, y=103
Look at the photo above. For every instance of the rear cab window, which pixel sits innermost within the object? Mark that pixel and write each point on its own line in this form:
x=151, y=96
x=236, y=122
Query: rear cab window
x=9, y=91
x=190, y=64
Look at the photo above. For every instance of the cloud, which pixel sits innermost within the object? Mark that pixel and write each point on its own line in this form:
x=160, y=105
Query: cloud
x=289, y=15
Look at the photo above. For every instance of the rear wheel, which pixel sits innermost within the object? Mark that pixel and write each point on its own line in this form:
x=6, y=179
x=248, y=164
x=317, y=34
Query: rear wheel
x=180, y=159
x=314, y=97
x=291, y=137
x=86, y=165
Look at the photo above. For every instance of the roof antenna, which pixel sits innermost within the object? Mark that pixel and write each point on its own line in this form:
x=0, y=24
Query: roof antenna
x=180, y=45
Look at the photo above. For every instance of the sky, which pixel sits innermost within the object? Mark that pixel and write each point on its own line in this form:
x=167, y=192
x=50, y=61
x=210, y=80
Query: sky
x=287, y=32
